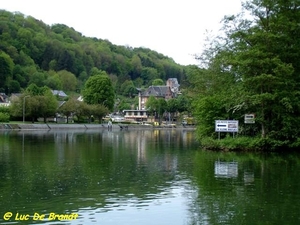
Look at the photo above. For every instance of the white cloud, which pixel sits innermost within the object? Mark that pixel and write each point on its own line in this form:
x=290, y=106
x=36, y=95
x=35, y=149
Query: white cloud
x=172, y=27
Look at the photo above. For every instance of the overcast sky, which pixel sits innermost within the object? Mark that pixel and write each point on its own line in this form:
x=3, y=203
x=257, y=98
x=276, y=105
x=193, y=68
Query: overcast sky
x=175, y=28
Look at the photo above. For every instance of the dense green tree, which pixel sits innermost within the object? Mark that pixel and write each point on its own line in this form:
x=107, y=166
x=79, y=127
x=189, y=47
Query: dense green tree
x=183, y=103
x=47, y=105
x=123, y=105
x=151, y=105
x=66, y=61
x=38, y=78
x=157, y=82
x=95, y=71
x=128, y=89
x=87, y=111
x=19, y=75
x=24, y=59
x=69, y=108
x=114, y=80
x=39, y=103
x=136, y=67
x=138, y=82
x=53, y=81
x=80, y=113
x=254, y=71
x=24, y=37
x=16, y=107
x=148, y=74
x=33, y=108
x=50, y=55
x=83, y=76
x=13, y=86
x=52, y=64
x=99, y=111
x=68, y=80
x=33, y=89
x=172, y=107
x=4, y=114
x=157, y=106
x=6, y=68
x=4, y=117
x=98, y=90
x=270, y=78
x=161, y=107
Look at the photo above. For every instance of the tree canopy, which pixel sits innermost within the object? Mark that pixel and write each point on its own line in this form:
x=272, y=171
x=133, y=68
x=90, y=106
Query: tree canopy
x=98, y=90
x=252, y=68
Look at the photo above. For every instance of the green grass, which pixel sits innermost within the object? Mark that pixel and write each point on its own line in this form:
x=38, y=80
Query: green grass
x=248, y=144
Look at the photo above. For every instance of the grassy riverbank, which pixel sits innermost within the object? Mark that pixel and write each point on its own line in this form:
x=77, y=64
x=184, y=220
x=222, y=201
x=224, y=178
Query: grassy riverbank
x=248, y=144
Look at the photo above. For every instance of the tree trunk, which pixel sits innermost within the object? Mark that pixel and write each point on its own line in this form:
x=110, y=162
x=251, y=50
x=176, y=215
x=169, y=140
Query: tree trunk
x=263, y=130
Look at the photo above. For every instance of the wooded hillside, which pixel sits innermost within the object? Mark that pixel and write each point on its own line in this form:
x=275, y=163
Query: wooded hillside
x=54, y=55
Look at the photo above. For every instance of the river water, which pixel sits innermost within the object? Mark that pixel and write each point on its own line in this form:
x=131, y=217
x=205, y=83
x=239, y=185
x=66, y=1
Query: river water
x=141, y=177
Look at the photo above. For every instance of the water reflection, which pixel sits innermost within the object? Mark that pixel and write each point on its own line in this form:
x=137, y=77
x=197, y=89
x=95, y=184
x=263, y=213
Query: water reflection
x=226, y=169
x=142, y=177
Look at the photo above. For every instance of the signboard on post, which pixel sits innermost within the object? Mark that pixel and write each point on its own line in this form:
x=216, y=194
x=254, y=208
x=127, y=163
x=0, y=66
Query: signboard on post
x=226, y=125
x=249, y=118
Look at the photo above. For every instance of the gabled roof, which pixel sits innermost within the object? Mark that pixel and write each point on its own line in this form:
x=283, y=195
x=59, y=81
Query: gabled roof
x=3, y=97
x=157, y=91
x=59, y=93
x=174, y=82
x=61, y=103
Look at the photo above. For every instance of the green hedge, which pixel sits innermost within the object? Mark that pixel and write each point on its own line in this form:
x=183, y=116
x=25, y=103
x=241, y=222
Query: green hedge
x=4, y=117
x=248, y=144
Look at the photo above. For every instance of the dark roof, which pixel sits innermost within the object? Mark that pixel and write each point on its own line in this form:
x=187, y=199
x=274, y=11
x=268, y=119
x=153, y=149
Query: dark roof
x=157, y=91
x=174, y=82
x=3, y=97
x=59, y=93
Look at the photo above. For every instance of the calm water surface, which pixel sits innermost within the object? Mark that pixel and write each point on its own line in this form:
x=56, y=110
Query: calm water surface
x=141, y=177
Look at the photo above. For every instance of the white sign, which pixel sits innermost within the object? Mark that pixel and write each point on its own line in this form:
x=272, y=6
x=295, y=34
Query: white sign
x=249, y=118
x=226, y=125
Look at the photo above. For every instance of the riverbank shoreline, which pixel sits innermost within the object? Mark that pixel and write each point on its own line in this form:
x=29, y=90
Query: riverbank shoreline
x=54, y=126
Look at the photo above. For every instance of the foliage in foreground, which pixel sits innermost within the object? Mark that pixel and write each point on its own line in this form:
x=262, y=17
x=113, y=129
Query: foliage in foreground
x=252, y=68
x=4, y=117
x=242, y=143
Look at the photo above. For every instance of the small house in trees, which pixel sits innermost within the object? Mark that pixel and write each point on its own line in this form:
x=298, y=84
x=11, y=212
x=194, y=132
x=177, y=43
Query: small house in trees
x=174, y=85
x=170, y=90
x=164, y=92
x=4, y=101
x=60, y=94
x=141, y=114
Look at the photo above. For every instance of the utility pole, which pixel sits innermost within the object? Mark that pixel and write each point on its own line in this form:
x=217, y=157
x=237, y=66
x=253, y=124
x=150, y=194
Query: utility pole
x=24, y=101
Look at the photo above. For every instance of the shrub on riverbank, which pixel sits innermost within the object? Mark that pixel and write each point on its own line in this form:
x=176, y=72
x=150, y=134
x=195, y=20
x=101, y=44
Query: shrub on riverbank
x=4, y=117
x=248, y=144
